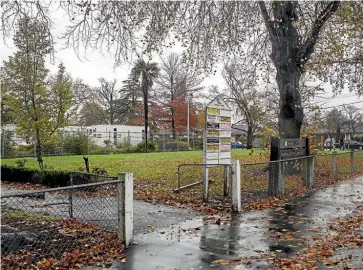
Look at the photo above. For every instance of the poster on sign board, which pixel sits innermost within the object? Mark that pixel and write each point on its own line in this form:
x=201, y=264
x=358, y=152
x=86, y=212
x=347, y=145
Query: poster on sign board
x=212, y=111
x=225, y=133
x=212, y=140
x=212, y=125
x=226, y=141
x=225, y=126
x=225, y=119
x=224, y=148
x=212, y=119
x=212, y=133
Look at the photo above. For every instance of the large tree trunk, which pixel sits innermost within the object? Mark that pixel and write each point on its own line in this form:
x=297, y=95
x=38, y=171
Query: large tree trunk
x=38, y=149
x=288, y=72
x=291, y=112
x=249, y=138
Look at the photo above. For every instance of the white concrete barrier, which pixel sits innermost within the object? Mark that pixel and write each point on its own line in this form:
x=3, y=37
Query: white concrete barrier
x=125, y=207
x=236, y=186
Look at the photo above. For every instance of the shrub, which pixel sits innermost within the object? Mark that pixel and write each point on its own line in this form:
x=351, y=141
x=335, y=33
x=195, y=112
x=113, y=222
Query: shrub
x=183, y=146
x=101, y=171
x=20, y=163
x=35, y=176
x=198, y=144
x=152, y=146
x=79, y=144
x=23, y=150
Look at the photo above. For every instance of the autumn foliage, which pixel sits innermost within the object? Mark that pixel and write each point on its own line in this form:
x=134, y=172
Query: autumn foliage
x=160, y=117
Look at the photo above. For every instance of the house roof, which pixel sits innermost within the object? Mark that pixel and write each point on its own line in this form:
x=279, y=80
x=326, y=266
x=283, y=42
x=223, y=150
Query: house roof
x=238, y=130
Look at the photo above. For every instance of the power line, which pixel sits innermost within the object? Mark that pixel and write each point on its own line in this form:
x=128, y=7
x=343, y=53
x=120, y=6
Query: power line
x=343, y=104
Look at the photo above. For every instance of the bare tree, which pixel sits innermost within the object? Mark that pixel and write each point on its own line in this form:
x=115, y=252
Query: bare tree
x=244, y=95
x=321, y=36
x=107, y=95
x=353, y=117
x=334, y=122
x=175, y=84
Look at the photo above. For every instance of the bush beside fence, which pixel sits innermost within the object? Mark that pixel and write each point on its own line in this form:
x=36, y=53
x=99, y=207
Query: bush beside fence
x=48, y=178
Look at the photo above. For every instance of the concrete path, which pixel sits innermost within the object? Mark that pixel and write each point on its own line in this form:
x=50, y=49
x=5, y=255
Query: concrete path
x=195, y=244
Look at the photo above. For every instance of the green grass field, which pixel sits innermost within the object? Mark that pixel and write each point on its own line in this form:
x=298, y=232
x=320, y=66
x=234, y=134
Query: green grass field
x=146, y=167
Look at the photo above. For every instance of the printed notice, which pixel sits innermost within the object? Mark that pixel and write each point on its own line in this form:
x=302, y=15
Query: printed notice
x=225, y=148
x=212, y=119
x=212, y=125
x=225, y=113
x=213, y=140
x=213, y=133
x=213, y=111
x=212, y=148
x=225, y=119
x=226, y=141
x=225, y=126
x=225, y=133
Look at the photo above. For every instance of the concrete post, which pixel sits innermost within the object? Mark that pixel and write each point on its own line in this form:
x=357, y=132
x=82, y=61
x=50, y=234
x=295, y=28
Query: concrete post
x=276, y=184
x=352, y=169
x=125, y=199
x=236, y=186
x=205, y=183
x=335, y=165
x=309, y=175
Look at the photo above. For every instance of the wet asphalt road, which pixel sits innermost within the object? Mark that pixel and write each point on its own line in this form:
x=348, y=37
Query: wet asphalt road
x=195, y=244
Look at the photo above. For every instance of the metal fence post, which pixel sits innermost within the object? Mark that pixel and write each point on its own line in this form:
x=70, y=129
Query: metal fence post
x=125, y=215
x=335, y=165
x=352, y=169
x=226, y=180
x=179, y=184
x=236, y=186
x=70, y=197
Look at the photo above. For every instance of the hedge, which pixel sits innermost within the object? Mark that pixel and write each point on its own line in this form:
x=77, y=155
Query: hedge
x=35, y=176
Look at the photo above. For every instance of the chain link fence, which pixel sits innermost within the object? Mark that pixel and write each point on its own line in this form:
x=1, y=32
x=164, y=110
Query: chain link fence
x=190, y=181
x=255, y=177
x=85, y=142
x=66, y=227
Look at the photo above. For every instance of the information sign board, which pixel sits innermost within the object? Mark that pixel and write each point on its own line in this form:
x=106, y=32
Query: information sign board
x=217, y=135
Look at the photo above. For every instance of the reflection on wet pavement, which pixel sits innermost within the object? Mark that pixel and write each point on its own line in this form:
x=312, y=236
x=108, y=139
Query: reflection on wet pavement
x=195, y=244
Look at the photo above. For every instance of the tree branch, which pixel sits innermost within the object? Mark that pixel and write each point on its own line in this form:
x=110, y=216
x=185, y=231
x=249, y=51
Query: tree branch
x=308, y=47
x=267, y=19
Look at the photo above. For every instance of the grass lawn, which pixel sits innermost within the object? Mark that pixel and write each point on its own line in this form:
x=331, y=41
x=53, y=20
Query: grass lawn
x=147, y=167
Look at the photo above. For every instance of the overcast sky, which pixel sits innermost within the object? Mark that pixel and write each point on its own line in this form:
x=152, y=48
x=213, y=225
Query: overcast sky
x=98, y=65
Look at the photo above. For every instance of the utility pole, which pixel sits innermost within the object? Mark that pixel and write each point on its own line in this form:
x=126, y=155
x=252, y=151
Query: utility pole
x=188, y=120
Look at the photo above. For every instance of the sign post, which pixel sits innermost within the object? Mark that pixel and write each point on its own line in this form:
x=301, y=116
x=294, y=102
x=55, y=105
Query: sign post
x=282, y=149
x=217, y=140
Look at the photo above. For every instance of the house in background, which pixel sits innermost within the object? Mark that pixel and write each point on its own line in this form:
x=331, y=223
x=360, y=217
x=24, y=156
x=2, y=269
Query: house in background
x=239, y=134
x=100, y=134
x=103, y=135
x=324, y=134
x=15, y=138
